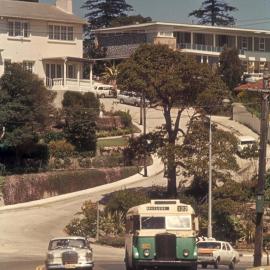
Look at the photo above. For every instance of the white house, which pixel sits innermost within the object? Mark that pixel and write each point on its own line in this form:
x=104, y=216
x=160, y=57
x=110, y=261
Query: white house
x=47, y=39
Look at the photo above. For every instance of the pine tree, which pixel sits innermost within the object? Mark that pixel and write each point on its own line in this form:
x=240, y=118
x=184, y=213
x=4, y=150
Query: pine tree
x=214, y=12
x=103, y=12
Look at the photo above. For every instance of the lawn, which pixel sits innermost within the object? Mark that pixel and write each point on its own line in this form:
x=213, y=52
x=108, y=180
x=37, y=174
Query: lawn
x=123, y=141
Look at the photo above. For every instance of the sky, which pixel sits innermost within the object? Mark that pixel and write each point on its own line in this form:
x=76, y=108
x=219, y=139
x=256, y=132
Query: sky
x=251, y=13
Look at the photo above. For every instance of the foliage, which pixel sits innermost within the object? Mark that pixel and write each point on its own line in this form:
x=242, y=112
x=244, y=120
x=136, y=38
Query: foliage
x=125, y=117
x=86, y=225
x=81, y=112
x=117, y=132
x=61, y=149
x=110, y=74
x=114, y=241
x=214, y=12
x=171, y=78
x=53, y=136
x=102, y=12
x=123, y=141
x=230, y=67
x=127, y=20
x=25, y=108
x=123, y=200
x=211, y=100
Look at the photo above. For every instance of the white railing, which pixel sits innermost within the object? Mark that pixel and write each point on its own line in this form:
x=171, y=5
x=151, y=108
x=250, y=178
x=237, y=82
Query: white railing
x=58, y=82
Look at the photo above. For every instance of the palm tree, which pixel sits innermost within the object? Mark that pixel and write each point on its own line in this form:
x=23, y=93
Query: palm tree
x=110, y=74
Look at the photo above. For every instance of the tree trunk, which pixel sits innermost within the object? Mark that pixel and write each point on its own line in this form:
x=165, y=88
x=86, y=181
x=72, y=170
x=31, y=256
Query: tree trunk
x=171, y=167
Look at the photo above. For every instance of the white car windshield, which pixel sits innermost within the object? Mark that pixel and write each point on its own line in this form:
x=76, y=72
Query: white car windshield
x=67, y=243
x=169, y=222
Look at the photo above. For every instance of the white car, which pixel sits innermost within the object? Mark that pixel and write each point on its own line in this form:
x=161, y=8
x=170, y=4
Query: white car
x=69, y=253
x=104, y=90
x=212, y=252
x=131, y=98
x=244, y=142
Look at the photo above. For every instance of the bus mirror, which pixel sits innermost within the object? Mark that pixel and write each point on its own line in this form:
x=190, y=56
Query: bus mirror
x=196, y=222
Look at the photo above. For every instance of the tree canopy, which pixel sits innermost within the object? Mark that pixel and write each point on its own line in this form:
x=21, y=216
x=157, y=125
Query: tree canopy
x=26, y=106
x=230, y=67
x=214, y=12
x=175, y=81
x=127, y=20
x=103, y=12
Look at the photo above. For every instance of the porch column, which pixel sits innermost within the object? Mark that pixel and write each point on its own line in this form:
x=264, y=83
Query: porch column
x=236, y=42
x=214, y=40
x=78, y=76
x=65, y=72
x=191, y=39
x=91, y=75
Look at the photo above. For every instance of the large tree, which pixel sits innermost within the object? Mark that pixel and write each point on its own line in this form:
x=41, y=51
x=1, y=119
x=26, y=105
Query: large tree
x=127, y=20
x=103, y=12
x=26, y=106
x=173, y=80
x=230, y=67
x=214, y=12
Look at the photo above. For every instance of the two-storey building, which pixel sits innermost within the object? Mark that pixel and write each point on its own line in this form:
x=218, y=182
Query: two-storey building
x=47, y=39
x=205, y=42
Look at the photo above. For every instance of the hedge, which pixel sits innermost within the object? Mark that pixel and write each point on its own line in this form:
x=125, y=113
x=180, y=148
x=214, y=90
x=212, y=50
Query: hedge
x=29, y=187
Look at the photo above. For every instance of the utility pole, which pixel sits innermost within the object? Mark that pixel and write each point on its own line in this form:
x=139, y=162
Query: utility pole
x=209, y=232
x=141, y=110
x=262, y=169
x=144, y=133
x=97, y=232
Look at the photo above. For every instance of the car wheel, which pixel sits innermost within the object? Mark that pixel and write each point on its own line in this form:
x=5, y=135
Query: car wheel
x=216, y=263
x=121, y=101
x=102, y=96
x=204, y=265
x=136, y=104
x=232, y=265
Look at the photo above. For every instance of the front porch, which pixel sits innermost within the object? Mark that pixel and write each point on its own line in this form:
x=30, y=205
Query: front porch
x=68, y=73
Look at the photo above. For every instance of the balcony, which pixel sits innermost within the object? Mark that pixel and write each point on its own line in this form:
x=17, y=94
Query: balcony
x=203, y=48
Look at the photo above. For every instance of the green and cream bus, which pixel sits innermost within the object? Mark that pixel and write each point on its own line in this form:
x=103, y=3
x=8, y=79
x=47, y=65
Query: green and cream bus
x=161, y=233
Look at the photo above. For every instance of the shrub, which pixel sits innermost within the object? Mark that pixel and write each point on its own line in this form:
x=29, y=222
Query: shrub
x=53, y=136
x=114, y=241
x=60, y=149
x=124, y=199
x=86, y=225
x=125, y=118
x=114, y=160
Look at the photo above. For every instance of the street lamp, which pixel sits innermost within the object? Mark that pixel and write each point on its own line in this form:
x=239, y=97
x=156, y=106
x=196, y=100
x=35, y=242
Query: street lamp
x=225, y=101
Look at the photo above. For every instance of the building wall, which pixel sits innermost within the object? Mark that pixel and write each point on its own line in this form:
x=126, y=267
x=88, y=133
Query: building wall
x=37, y=46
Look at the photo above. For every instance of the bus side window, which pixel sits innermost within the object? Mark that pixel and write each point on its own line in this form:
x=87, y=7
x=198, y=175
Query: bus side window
x=136, y=223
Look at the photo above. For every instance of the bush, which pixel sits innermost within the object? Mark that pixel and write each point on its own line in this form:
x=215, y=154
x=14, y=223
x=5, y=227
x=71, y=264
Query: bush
x=125, y=199
x=114, y=160
x=53, y=136
x=125, y=118
x=114, y=241
x=61, y=149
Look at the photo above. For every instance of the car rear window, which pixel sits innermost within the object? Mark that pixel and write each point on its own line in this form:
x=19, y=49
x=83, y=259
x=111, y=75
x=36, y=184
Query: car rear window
x=212, y=245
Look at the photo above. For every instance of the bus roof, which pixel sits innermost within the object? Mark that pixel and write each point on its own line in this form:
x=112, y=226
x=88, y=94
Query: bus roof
x=156, y=207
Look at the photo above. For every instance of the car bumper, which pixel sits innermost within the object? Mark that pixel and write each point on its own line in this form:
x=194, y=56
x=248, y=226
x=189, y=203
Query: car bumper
x=70, y=266
x=208, y=260
x=164, y=263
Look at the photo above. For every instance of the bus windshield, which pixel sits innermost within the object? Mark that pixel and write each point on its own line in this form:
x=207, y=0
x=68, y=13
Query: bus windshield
x=169, y=222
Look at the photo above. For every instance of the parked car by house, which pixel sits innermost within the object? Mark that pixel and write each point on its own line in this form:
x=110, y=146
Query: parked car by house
x=212, y=252
x=246, y=142
x=131, y=98
x=104, y=90
x=70, y=252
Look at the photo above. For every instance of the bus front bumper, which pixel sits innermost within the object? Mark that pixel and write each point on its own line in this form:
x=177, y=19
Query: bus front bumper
x=164, y=263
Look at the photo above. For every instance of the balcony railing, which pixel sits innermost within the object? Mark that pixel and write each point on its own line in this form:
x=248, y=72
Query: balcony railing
x=200, y=47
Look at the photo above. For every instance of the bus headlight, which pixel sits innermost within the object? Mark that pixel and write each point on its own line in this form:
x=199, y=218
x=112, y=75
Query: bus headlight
x=186, y=252
x=146, y=252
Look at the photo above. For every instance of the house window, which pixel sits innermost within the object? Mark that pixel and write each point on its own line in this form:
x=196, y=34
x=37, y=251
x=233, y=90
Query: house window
x=18, y=29
x=28, y=65
x=165, y=34
x=244, y=44
x=261, y=44
x=61, y=32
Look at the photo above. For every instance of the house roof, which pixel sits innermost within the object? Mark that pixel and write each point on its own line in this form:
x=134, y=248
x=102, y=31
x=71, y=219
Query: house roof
x=182, y=26
x=250, y=86
x=36, y=11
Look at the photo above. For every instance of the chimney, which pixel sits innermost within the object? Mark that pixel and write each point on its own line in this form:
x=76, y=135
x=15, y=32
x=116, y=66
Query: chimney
x=64, y=5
